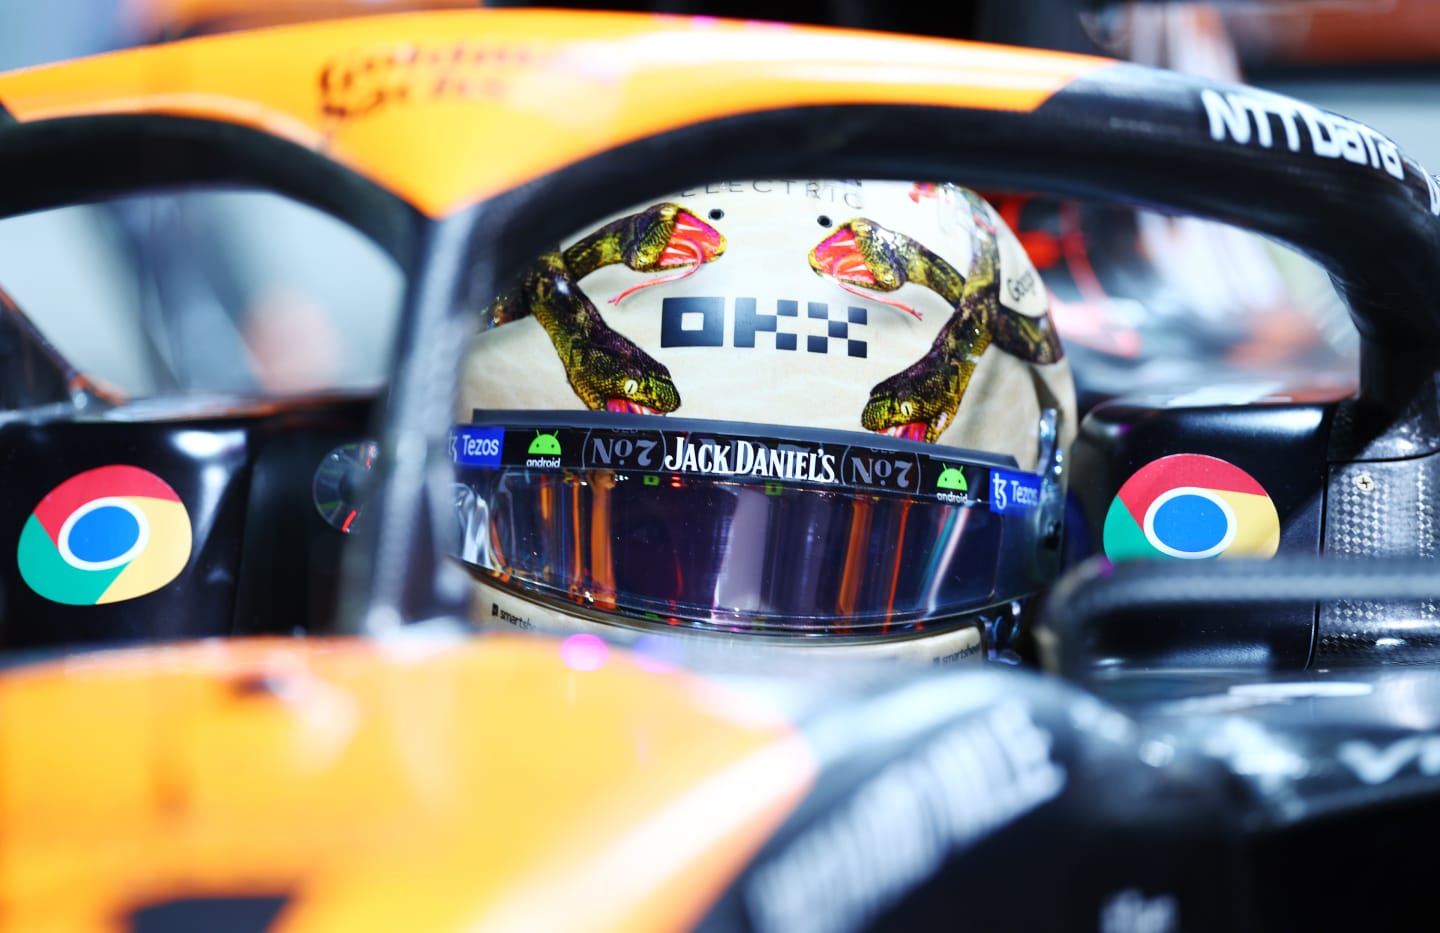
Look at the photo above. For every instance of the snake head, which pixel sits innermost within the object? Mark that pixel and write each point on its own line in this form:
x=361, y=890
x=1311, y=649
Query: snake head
x=888, y=415
x=861, y=254
x=609, y=371
x=667, y=236
x=652, y=394
x=920, y=401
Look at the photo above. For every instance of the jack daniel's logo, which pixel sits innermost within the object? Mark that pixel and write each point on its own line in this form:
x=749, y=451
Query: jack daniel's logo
x=736, y=457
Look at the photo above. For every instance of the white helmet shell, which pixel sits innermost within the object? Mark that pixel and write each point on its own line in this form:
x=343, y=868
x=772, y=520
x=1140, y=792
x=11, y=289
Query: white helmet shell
x=897, y=313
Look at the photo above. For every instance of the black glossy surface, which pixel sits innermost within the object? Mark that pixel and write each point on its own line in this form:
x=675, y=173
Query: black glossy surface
x=1282, y=445
x=262, y=559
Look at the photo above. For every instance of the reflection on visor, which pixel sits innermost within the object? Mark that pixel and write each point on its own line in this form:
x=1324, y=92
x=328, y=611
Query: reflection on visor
x=742, y=532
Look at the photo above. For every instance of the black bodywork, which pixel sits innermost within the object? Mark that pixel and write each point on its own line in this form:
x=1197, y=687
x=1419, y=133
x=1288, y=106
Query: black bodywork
x=1137, y=803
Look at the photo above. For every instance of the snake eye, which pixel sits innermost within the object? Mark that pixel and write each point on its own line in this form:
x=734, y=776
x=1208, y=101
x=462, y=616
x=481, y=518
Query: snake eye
x=630, y=386
x=906, y=408
x=717, y=214
x=824, y=220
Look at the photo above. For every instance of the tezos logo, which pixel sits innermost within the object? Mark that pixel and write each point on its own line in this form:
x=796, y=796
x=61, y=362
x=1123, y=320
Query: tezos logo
x=477, y=447
x=544, y=450
x=1013, y=492
x=1191, y=507
x=104, y=536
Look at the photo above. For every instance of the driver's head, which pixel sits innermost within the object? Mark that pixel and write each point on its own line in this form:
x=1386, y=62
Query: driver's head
x=813, y=415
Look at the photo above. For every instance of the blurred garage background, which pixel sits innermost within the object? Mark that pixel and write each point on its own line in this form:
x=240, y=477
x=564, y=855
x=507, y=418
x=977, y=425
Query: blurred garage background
x=245, y=292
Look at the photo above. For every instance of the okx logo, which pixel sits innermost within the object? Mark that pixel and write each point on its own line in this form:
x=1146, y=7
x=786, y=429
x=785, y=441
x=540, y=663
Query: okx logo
x=700, y=322
x=105, y=536
x=1191, y=507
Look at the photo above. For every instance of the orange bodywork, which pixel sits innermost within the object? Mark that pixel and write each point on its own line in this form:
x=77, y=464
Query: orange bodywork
x=446, y=108
x=477, y=786
x=483, y=785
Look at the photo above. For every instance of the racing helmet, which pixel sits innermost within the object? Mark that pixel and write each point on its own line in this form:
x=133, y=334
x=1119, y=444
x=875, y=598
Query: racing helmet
x=809, y=415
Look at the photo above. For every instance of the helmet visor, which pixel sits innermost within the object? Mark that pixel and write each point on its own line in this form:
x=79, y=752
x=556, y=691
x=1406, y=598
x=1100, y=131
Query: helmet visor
x=730, y=527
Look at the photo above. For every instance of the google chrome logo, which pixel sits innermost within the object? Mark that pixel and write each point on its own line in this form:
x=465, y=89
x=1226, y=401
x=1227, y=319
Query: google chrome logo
x=105, y=536
x=1191, y=507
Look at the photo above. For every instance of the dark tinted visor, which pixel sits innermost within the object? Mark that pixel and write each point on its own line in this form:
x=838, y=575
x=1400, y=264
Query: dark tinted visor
x=731, y=527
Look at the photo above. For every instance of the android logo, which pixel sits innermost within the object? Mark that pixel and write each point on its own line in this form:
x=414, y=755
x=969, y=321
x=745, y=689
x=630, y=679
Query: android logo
x=952, y=478
x=545, y=445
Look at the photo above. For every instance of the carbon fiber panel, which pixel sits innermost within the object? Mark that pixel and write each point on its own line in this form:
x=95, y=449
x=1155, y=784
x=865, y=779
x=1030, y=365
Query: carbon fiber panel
x=1381, y=509
x=1361, y=433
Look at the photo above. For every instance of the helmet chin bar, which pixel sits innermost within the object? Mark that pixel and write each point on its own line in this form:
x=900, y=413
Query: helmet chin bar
x=498, y=605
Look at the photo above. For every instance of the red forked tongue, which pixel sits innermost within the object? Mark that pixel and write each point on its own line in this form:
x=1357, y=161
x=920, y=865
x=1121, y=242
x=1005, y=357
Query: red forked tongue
x=914, y=431
x=624, y=406
x=679, y=251
x=683, y=251
x=900, y=305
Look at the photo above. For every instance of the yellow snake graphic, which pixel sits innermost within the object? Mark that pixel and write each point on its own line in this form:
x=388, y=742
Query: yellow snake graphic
x=605, y=368
x=920, y=401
